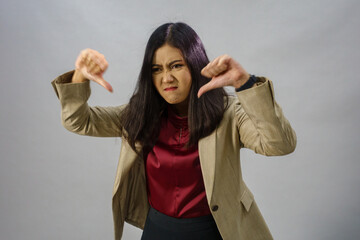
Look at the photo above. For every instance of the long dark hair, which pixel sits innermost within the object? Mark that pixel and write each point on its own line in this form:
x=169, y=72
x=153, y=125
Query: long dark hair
x=141, y=117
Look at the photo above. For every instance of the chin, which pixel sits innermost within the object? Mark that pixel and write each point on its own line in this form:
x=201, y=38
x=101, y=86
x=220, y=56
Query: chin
x=172, y=101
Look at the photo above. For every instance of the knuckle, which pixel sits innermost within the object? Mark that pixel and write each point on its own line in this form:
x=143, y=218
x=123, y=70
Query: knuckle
x=87, y=50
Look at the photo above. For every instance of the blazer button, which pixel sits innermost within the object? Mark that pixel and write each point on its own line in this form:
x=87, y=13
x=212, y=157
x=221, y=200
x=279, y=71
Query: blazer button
x=215, y=208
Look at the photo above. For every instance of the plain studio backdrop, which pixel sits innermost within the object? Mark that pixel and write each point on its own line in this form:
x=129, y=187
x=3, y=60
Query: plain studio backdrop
x=58, y=185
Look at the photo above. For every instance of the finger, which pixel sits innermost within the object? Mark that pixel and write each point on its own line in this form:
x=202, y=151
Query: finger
x=98, y=79
x=103, y=64
x=87, y=60
x=201, y=92
x=214, y=62
x=99, y=60
x=97, y=66
x=93, y=61
x=223, y=63
x=209, y=86
x=96, y=70
x=103, y=83
x=206, y=71
x=220, y=65
x=217, y=82
x=216, y=67
x=91, y=66
x=79, y=61
x=213, y=71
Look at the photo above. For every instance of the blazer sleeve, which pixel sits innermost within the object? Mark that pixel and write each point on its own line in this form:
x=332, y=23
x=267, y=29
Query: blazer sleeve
x=261, y=123
x=78, y=117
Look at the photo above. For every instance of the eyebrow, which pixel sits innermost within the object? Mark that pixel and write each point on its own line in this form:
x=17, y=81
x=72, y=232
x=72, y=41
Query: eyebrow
x=172, y=62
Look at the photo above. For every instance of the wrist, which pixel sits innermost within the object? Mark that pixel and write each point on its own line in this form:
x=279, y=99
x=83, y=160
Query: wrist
x=248, y=84
x=244, y=78
x=78, y=77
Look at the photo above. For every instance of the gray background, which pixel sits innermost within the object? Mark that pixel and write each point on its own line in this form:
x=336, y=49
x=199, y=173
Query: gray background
x=57, y=185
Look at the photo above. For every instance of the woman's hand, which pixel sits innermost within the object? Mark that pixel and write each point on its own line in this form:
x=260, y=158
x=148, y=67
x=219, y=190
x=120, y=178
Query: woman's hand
x=223, y=71
x=91, y=65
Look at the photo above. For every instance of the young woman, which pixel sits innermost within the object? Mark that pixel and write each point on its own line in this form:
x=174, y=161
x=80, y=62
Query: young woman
x=179, y=174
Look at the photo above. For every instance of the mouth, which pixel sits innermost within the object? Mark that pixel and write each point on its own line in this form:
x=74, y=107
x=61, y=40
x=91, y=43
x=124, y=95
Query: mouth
x=170, y=89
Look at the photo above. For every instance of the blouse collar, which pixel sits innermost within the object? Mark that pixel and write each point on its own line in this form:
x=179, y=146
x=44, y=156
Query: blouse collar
x=177, y=121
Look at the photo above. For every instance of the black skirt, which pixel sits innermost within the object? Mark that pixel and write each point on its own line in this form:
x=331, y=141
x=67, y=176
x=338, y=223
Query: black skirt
x=159, y=226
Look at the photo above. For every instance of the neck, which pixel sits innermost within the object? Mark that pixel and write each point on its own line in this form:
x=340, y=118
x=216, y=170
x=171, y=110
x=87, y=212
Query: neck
x=180, y=109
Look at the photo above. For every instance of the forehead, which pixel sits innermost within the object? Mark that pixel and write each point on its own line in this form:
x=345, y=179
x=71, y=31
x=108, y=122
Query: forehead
x=167, y=53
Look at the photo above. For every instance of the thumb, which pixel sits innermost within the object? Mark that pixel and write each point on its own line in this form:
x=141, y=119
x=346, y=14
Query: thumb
x=100, y=80
x=207, y=87
x=215, y=82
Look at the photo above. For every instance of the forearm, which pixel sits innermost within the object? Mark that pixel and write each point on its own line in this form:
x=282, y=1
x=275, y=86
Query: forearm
x=261, y=122
x=78, y=117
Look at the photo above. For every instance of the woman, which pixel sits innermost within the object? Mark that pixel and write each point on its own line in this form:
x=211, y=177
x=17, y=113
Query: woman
x=179, y=174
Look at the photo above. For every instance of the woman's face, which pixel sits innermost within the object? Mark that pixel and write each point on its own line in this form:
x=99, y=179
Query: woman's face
x=171, y=77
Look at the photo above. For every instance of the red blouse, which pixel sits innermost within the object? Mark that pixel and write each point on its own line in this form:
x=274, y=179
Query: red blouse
x=174, y=179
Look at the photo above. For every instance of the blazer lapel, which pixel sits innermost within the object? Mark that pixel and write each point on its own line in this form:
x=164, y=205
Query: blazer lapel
x=126, y=160
x=207, y=156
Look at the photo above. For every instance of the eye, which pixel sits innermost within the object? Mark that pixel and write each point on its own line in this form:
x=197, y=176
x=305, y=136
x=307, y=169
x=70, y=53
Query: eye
x=155, y=69
x=177, y=65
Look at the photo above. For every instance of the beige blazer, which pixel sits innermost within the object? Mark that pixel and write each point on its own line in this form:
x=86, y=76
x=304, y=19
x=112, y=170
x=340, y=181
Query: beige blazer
x=253, y=120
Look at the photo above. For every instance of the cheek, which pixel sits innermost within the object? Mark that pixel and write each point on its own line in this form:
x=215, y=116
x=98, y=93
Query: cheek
x=188, y=82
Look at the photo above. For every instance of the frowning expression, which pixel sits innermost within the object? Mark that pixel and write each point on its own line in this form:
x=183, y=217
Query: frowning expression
x=171, y=76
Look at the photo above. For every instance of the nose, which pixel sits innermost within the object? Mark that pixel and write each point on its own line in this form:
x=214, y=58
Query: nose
x=167, y=77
